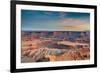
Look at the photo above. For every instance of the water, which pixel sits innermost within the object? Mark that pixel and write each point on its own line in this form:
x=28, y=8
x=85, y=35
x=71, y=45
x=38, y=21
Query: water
x=56, y=46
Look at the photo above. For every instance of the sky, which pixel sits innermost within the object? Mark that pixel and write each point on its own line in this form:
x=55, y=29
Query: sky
x=35, y=20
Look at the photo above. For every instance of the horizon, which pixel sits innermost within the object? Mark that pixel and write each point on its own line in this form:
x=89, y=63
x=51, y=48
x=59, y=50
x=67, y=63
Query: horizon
x=35, y=20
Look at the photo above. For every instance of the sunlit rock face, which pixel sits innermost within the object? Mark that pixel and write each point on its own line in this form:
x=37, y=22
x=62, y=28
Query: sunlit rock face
x=54, y=46
x=42, y=54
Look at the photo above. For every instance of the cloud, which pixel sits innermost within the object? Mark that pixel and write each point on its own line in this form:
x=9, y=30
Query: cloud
x=74, y=24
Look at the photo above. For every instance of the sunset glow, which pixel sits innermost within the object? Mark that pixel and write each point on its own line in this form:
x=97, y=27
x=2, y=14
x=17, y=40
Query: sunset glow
x=46, y=20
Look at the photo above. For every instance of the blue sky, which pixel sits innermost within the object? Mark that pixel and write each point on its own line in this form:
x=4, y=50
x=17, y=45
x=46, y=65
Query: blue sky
x=32, y=20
